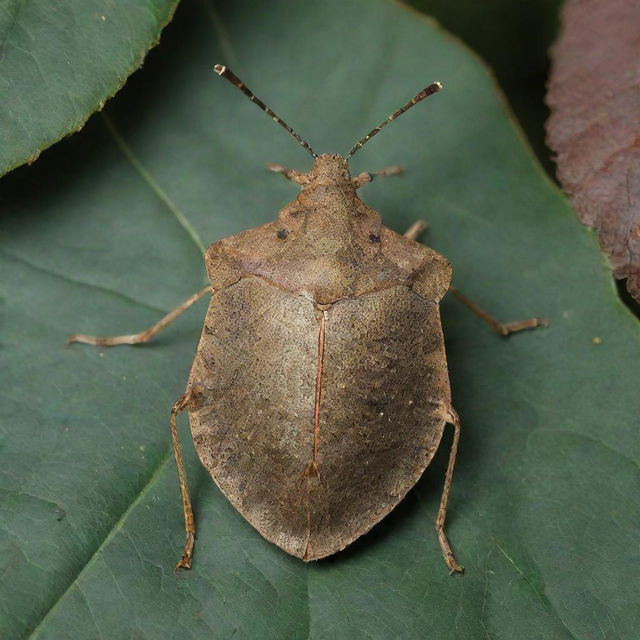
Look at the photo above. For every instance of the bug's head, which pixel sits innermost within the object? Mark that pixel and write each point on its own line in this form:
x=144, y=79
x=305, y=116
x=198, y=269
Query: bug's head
x=326, y=165
x=330, y=170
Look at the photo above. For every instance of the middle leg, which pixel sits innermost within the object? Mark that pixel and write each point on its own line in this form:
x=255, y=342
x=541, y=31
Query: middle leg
x=503, y=328
x=147, y=334
x=414, y=231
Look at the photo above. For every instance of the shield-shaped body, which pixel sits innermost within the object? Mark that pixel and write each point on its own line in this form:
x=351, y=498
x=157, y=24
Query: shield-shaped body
x=320, y=377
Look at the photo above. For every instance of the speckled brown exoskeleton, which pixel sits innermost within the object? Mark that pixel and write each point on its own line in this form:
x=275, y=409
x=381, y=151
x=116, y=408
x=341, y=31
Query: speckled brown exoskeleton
x=319, y=391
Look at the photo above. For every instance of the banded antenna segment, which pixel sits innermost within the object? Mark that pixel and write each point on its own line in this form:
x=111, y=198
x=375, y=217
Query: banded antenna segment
x=425, y=93
x=225, y=72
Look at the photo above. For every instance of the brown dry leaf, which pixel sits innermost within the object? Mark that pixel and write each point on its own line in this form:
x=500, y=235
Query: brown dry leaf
x=594, y=128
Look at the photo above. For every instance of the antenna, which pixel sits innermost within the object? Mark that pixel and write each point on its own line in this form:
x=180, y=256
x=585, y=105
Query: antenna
x=225, y=72
x=425, y=93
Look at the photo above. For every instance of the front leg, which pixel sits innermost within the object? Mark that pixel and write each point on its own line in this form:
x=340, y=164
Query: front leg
x=368, y=176
x=290, y=174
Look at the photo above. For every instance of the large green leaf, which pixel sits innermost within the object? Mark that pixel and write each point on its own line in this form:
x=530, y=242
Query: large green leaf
x=105, y=233
x=513, y=38
x=60, y=61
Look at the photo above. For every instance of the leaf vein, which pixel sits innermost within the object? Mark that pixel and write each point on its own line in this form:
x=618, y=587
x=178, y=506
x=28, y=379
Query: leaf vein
x=140, y=495
x=151, y=182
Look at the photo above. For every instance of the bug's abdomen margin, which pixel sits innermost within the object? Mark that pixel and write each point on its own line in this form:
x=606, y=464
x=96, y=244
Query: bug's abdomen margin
x=382, y=376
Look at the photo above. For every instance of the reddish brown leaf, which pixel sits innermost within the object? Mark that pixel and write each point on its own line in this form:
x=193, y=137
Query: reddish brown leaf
x=594, y=128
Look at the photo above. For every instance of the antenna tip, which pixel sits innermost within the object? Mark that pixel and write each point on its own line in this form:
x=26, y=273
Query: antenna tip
x=437, y=85
x=219, y=69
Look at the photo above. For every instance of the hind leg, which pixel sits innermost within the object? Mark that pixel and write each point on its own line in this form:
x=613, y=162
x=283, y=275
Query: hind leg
x=181, y=404
x=452, y=418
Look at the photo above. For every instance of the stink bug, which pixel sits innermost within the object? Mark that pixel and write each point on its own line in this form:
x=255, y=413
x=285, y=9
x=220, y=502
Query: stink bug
x=319, y=391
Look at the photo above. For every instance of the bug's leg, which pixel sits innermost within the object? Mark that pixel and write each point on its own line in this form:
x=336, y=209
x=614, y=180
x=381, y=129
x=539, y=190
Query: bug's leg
x=414, y=231
x=452, y=418
x=290, y=174
x=504, y=329
x=143, y=336
x=189, y=523
x=368, y=176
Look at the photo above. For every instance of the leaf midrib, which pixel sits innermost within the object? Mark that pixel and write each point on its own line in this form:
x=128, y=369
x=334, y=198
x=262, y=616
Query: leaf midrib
x=189, y=229
x=112, y=533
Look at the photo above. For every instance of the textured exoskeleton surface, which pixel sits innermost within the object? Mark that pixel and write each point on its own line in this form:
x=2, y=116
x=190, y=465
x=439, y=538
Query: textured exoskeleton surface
x=320, y=376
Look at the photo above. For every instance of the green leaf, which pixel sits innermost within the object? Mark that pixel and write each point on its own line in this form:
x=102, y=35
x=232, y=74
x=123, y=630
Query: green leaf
x=60, y=62
x=513, y=38
x=105, y=234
